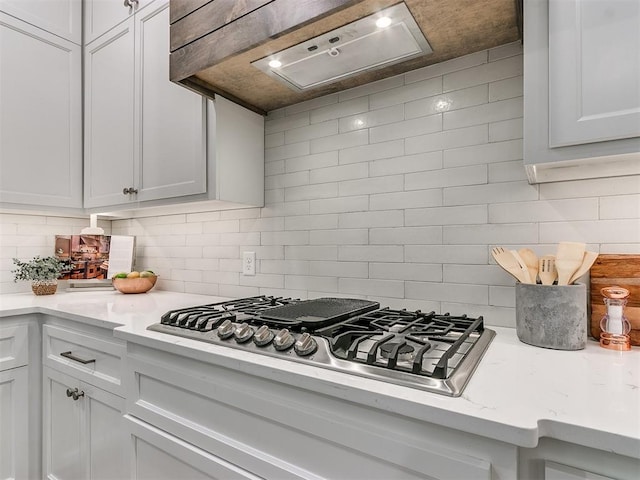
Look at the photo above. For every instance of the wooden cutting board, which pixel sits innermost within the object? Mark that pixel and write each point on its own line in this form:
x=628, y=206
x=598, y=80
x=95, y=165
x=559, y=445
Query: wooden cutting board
x=621, y=270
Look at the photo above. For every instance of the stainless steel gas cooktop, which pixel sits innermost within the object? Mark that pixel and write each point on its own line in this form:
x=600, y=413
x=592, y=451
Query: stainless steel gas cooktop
x=436, y=353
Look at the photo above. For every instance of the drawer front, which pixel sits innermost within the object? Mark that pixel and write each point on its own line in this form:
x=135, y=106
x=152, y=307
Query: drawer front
x=98, y=361
x=14, y=346
x=237, y=416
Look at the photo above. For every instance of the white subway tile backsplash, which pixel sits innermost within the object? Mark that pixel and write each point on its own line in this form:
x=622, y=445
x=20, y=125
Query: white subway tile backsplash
x=367, y=153
x=485, y=73
x=447, y=139
x=449, y=66
x=512, y=171
x=340, y=141
x=309, y=132
x=505, y=130
x=286, y=151
x=596, y=231
x=407, y=128
x=482, y=114
x=390, y=218
x=341, y=109
x=544, y=211
x=447, y=102
x=309, y=192
x=340, y=172
x=491, y=235
x=309, y=162
x=504, y=89
x=491, y=193
x=351, y=236
x=370, y=253
x=461, y=215
x=371, y=287
x=382, y=116
x=484, y=154
x=284, y=123
x=421, y=272
x=311, y=222
x=399, y=200
x=339, y=269
x=406, y=93
x=406, y=235
x=285, y=238
x=623, y=206
x=341, y=215
x=447, y=292
x=371, y=88
x=459, y=254
x=448, y=177
x=406, y=164
x=340, y=205
x=370, y=185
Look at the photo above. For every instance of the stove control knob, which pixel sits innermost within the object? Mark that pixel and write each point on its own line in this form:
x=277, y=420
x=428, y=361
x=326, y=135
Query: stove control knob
x=263, y=336
x=283, y=340
x=305, y=345
x=243, y=333
x=226, y=329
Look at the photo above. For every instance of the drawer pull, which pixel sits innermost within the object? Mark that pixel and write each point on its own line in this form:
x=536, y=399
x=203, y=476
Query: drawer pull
x=71, y=356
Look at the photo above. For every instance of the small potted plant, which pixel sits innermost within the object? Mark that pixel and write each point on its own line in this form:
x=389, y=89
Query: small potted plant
x=42, y=272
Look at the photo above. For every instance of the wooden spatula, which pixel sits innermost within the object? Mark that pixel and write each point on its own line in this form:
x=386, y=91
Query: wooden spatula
x=523, y=266
x=587, y=262
x=547, y=269
x=506, y=260
x=530, y=259
x=569, y=257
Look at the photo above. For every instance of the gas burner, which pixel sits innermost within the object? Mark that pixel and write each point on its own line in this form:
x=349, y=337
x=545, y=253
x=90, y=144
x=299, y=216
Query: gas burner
x=436, y=353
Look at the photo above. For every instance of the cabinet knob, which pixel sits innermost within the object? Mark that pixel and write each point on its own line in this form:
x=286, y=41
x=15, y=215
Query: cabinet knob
x=129, y=190
x=75, y=394
x=131, y=3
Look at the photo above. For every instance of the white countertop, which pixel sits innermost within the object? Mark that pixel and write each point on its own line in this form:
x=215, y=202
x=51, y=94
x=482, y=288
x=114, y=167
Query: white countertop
x=518, y=393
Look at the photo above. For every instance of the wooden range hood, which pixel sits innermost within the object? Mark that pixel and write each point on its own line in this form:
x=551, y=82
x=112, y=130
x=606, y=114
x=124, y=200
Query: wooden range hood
x=214, y=42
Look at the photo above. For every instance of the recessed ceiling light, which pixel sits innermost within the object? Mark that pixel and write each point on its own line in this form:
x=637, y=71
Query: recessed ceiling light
x=383, y=22
x=275, y=63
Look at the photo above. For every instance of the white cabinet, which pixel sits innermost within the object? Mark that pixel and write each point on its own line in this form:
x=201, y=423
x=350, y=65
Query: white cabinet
x=557, y=460
x=41, y=116
x=145, y=137
x=14, y=412
x=275, y=430
x=102, y=15
x=83, y=430
x=19, y=398
x=60, y=17
x=158, y=455
x=582, y=88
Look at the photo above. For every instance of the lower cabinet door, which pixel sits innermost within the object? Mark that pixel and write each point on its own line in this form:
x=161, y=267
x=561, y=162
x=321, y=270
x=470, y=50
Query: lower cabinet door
x=158, y=455
x=83, y=434
x=14, y=448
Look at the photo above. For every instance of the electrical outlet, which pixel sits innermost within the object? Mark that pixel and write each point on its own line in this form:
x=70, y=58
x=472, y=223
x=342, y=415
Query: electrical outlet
x=248, y=263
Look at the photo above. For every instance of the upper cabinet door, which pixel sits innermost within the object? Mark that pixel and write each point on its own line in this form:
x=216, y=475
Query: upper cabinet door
x=594, y=71
x=60, y=17
x=109, y=105
x=40, y=117
x=170, y=141
x=100, y=16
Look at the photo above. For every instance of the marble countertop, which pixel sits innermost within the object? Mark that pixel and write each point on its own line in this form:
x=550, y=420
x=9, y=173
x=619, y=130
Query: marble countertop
x=518, y=394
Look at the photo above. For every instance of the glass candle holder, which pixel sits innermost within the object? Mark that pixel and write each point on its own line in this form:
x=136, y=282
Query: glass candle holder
x=614, y=325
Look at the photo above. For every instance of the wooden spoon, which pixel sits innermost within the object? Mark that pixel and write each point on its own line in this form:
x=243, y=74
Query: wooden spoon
x=587, y=262
x=523, y=266
x=547, y=269
x=508, y=262
x=569, y=257
x=530, y=259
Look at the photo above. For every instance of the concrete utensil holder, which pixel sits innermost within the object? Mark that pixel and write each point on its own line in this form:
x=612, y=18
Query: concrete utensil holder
x=552, y=316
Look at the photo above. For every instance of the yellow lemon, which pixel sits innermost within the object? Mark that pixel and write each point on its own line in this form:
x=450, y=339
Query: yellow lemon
x=133, y=275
